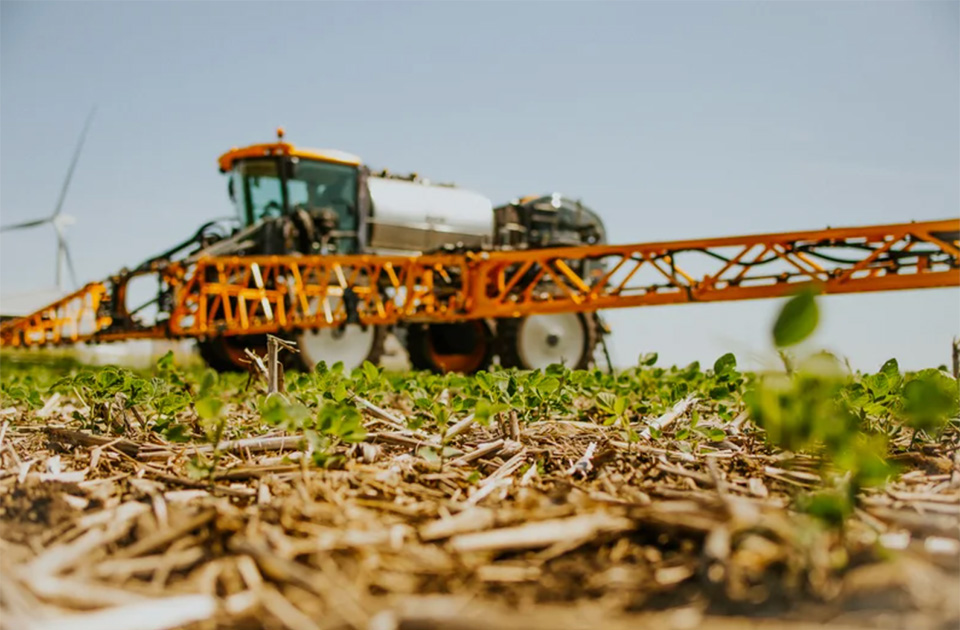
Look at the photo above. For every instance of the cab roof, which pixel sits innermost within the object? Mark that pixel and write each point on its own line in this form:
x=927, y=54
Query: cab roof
x=281, y=148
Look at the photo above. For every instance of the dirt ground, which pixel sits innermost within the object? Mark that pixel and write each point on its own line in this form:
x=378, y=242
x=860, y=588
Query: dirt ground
x=104, y=532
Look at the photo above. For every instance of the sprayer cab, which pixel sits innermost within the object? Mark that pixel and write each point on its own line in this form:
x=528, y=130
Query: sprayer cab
x=278, y=180
x=332, y=203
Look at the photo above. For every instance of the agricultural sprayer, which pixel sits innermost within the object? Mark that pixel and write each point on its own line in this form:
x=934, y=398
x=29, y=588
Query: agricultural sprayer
x=329, y=254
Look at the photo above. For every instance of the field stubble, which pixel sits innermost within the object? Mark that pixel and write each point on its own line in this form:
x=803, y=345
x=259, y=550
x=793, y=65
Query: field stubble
x=557, y=500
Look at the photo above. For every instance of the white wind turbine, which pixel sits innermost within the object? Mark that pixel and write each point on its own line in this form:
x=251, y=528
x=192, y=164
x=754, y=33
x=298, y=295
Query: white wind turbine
x=58, y=219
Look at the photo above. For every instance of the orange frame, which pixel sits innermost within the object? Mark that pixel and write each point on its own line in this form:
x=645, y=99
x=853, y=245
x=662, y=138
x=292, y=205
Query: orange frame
x=270, y=294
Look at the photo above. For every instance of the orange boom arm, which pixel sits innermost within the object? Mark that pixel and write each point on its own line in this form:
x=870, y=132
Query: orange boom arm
x=259, y=294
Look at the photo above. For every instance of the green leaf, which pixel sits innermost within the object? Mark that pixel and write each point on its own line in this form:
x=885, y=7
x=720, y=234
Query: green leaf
x=891, y=369
x=719, y=392
x=830, y=506
x=463, y=404
x=340, y=392
x=209, y=408
x=176, y=433
x=797, y=319
x=370, y=371
x=866, y=459
x=111, y=380
x=485, y=409
x=801, y=411
x=63, y=384
x=725, y=364
x=607, y=401
x=430, y=455
x=351, y=429
x=171, y=403
x=548, y=385
x=648, y=359
x=34, y=399
x=620, y=405
x=715, y=434
x=556, y=369
x=273, y=410
x=166, y=361
x=208, y=383
x=323, y=459
x=930, y=399
x=198, y=468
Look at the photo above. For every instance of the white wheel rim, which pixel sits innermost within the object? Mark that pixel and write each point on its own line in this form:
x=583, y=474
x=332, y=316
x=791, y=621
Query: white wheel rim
x=546, y=339
x=351, y=345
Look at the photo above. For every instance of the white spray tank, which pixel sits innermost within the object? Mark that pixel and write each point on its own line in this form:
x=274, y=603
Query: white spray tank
x=410, y=215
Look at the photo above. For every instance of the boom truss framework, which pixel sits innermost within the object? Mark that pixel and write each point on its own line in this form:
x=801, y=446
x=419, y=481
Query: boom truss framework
x=268, y=294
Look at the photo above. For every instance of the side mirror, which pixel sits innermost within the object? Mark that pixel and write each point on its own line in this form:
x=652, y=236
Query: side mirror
x=289, y=169
x=230, y=190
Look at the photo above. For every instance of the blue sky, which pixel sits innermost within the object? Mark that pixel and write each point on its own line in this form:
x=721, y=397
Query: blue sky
x=673, y=120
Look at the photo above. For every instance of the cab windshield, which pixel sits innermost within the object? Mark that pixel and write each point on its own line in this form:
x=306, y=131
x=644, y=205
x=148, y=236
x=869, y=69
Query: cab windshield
x=260, y=192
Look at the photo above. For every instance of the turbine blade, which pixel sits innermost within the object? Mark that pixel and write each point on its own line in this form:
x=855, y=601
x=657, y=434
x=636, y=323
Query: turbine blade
x=73, y=162
x=25, y=224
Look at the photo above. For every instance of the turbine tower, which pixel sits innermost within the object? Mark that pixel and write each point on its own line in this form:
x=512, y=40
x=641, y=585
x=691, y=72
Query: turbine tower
x=59, y=220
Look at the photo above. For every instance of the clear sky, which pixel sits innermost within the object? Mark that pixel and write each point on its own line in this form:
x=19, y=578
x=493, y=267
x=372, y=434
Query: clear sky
x=673, y=120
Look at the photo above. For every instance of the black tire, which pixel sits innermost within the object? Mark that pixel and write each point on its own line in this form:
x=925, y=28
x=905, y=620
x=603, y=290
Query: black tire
x=508, y=337
x=225, y=354
x=417, y=347
x=219, y=353
x=465, y=347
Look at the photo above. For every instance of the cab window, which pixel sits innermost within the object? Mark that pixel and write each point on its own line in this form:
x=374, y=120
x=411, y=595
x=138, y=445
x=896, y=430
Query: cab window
x=315, y=186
